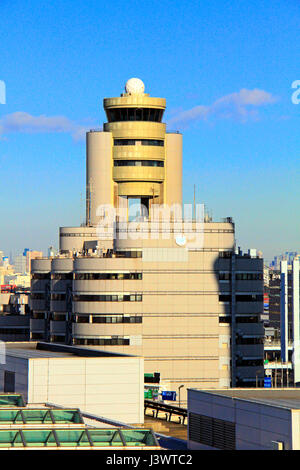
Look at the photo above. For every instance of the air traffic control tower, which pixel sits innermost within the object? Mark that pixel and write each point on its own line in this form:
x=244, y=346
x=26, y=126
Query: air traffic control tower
x=191, y=309
x=134, y=158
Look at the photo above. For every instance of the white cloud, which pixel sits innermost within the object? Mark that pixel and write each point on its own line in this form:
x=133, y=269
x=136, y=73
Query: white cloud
x=240, y=105
x=22, y=122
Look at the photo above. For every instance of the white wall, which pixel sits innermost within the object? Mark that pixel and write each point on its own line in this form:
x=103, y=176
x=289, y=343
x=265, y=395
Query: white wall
x=112, y=387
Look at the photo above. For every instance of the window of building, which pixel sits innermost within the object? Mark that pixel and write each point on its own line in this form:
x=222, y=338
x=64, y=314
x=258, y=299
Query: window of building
x=225, y=254
x=107, y=298
x=40, y=276
x=151, y=142
x=57, y=339
x=38, y=335
x=37, y=296
x=107, y=276
x=158, y=163
x=118, y=341
x=61, y=276
x=248, y=340
x=57, y=316
x=249, y=297
x=225, y=319
x=224, y=276
x=14, y=331
x=249, y=276
x=134, y=114
x=247, y=319
x=129, y=254
x=37, y=315
x=58, y=297
x=241, y=362
x=225, y=298
x=80, y=319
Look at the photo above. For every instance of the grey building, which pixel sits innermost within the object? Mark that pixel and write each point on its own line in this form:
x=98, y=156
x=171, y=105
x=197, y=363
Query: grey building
x=244, y=419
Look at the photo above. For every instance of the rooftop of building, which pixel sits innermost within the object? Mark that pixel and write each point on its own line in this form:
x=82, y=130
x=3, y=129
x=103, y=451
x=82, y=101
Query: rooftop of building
x=288, y=398
x=31, y=349
x=48, y=426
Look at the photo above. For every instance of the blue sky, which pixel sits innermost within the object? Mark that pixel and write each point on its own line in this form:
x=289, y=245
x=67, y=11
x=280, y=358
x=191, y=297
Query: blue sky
x=226, y=69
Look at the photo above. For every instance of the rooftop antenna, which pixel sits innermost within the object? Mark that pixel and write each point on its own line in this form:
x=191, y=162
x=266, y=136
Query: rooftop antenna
x=194, y=202
x=89, y=192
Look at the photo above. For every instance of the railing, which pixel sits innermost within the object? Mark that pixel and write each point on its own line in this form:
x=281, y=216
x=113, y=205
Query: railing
x=169, y=410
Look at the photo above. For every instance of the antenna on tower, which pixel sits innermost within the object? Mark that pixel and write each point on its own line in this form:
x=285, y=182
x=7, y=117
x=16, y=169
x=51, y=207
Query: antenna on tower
x=89, y=192
x=194, y=202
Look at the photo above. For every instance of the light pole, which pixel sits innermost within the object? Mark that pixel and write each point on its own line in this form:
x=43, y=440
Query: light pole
x=179, y=388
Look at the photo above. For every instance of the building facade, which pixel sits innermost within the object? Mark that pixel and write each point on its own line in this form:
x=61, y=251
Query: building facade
x=146, y=280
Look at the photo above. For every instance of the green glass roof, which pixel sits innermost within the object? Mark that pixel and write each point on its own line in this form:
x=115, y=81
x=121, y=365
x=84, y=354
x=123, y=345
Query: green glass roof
x=39, y=416
x=88, y=437
x=11, y=399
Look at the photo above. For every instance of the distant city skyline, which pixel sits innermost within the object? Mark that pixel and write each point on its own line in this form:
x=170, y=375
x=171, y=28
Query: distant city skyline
x=231, y=66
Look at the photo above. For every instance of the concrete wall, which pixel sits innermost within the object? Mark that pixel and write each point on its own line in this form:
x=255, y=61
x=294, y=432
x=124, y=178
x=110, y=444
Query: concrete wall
x=112, y=387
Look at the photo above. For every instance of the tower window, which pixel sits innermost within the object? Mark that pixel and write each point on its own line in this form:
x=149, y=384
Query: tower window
x=152, y=142
x=156, y=163
x=134, y=114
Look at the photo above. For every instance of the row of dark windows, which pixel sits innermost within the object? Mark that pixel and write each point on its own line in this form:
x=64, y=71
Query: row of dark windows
x=101, y=341
x=134, y=114
x=254, y=340
x=241, y=276
x=152, y=142
x=14, y=331
x=57, y=316
x=129, y=254
x=58, y=297
x=37, y=315
x=38, y=296
x=241, y=298
x=37, y=335
x=157, y=163
x=57, y=339
x=108, y=298
x=95, y=276
x=107, y=319
x=62, y=276
x=241, y=319
x=85, y=318
x=40, y=276
x=240, y=362
x=225, y=254
x=107, y=276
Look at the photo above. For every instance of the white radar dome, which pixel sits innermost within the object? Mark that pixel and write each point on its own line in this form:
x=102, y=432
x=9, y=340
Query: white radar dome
x=134, y=86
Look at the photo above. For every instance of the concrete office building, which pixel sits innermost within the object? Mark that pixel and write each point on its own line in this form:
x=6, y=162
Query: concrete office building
x=14, y=314
x=179, y=295
x=282, y=348
x=244, y=419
